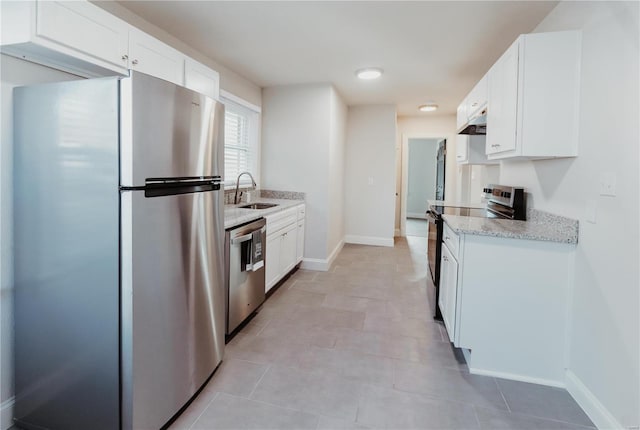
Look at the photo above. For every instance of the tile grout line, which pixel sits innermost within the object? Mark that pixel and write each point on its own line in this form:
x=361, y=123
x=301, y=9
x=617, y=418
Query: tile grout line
x=259, y=380
x=504, y=399
x=203, y=410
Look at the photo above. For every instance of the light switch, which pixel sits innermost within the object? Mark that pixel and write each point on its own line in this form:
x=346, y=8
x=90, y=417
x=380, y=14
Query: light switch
x=370, y=180
x=608, y=184
x=591, y=211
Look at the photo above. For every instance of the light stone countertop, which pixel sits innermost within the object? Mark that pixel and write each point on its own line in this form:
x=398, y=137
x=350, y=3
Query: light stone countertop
x=234, y=215
x=539, y=226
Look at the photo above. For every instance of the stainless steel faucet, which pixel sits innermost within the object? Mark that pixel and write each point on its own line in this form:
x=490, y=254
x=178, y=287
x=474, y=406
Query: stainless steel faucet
x=235, y=197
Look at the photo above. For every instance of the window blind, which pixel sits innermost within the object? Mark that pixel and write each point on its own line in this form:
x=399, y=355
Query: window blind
x=240, y=142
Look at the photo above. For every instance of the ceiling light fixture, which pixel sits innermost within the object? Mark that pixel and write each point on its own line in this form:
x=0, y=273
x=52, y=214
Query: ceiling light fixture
x=369, y=73
x=428, y=107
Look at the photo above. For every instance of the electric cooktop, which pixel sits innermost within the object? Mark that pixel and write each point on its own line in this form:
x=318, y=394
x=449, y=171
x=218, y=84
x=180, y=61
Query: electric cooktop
x=473, y=212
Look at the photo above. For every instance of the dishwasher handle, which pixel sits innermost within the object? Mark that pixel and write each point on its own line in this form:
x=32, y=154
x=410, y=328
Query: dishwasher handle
x=244, y=238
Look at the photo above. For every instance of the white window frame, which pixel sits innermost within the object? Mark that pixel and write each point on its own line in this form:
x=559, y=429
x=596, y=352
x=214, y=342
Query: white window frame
x=254, y=139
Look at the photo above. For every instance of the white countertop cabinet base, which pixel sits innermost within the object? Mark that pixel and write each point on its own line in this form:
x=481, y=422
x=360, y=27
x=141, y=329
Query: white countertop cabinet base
x=511, y=306
x=285, y=242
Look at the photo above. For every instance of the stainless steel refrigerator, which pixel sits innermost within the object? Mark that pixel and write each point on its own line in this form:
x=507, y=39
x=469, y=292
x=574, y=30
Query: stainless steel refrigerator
x=119, y=236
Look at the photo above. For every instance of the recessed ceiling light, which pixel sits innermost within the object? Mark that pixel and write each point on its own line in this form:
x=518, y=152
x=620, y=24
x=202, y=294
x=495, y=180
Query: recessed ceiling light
x=428, y=108
x=369, y=73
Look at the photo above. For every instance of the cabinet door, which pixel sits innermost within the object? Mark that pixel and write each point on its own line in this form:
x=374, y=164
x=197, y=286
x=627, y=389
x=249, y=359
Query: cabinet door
x=84, y=28
x=288, y=251
x=448, y=290
x=462, y=148
x=300, y=240
x=478, y=96
x=272, y=261
x=200, y=78
x=151, y=56
x=461, y=114
x=503, y=102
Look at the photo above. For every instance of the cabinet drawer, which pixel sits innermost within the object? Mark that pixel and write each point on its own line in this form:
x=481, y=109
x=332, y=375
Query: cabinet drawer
x=451, y=239
x=280, y=220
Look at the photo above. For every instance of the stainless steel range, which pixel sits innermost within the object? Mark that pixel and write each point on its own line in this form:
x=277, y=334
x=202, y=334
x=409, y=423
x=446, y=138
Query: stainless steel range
x=503, y=202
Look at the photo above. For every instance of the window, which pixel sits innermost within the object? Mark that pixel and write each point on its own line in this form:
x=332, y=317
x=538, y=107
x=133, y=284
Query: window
x=241, y=153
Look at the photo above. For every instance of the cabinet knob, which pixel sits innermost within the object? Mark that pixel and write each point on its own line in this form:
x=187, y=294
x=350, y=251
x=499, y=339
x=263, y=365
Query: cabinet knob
x=445, y=258
x=125, y=57
x=134, y=62
x=447, y=238
x=474, y=104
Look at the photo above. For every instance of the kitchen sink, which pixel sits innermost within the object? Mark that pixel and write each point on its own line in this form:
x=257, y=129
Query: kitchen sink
x=258, y=206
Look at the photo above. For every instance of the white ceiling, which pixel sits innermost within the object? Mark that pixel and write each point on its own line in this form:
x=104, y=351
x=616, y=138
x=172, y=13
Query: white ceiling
x=430, y=50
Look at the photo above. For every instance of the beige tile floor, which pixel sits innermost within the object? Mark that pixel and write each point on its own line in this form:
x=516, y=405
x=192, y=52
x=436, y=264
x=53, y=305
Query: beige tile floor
x=357, y=348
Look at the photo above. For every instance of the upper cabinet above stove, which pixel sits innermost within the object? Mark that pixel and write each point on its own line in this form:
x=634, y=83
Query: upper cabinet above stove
x=533, y=98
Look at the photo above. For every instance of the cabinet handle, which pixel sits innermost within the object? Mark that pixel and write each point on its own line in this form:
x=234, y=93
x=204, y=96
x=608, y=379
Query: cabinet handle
x=134, y=62
x=495, y=146
x=474, y=104
x=125, y=57
x=447, y=238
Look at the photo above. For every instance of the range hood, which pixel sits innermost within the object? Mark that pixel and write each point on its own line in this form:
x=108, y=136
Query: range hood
x=476, y=125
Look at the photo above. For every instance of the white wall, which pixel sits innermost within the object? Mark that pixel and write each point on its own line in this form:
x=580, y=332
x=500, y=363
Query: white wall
x=604, y=341
x=432, y=127
x=229, y=80
x=13, y=73
x=421, y=184
x=338, y=137
x=370, y=175
x=303, y=150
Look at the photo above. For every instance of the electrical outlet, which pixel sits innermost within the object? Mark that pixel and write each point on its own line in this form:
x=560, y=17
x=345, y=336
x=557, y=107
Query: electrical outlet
x=608, y=184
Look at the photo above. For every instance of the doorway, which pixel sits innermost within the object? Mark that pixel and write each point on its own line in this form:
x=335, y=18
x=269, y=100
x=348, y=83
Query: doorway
x=423, y=179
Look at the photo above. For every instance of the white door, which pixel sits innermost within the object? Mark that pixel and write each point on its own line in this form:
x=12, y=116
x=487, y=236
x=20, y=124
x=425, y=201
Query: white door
x=503, y=103
x=272, y=261
x=448, y=290
x=300, y=240
x=200, y=78
x=288, y=252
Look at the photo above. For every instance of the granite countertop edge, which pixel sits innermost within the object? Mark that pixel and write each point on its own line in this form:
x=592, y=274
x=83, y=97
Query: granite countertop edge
x=541, y=226
x=234, y=215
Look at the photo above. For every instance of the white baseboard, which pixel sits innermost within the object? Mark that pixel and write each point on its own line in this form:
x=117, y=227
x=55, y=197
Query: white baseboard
x=369, y=240
x=322, y=264
x=597, y=412
x=516, y=377
x=6, y=413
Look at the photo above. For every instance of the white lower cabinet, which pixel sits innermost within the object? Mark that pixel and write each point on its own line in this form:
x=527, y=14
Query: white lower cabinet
x=505, y=302
x=284, y=244
x=272, y=262
x=448, y=290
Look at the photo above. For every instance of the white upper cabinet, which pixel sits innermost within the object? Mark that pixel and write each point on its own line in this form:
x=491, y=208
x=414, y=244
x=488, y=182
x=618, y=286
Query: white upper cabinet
x=149, y=55
x=470, y=149
x=533, y=104
x=200, y=78
x=477, y=98
x=74, y=36
x=83, y=39
x=461, y=114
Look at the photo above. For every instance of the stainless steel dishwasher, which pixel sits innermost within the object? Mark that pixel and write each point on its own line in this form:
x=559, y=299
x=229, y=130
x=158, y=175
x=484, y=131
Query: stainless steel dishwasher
x=245, y=258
